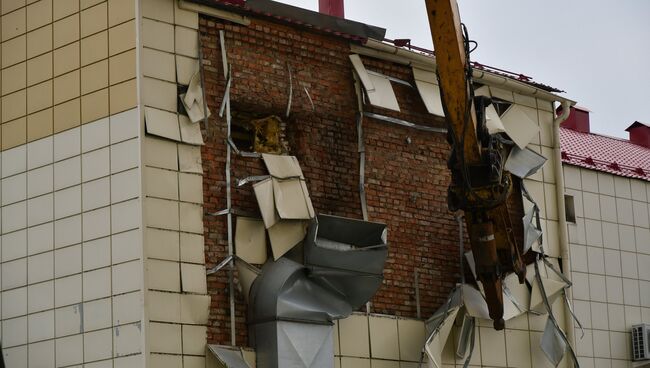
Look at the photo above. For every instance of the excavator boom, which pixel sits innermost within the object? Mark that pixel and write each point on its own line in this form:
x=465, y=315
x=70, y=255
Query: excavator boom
x=451, y=61
x=480, y=186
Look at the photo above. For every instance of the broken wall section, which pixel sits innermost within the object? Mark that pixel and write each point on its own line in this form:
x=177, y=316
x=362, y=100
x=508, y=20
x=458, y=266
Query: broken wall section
x=406, y=182
x=176, y=301
x=519, y=343
x=323, y=138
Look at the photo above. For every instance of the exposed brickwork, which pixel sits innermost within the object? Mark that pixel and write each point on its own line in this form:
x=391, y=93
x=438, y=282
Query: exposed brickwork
x=406, y=182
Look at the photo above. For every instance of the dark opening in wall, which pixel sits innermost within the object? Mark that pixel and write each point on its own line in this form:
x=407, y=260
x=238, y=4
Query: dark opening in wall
x=258, y=132
x=500, y=105
x=570, y=208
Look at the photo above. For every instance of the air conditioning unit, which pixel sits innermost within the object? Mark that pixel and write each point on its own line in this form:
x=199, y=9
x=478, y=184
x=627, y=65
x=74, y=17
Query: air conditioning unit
x=641, y=342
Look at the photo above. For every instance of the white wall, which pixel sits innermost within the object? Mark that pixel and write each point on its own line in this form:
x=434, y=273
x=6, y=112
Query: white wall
x=71, y=271
x=610, y=261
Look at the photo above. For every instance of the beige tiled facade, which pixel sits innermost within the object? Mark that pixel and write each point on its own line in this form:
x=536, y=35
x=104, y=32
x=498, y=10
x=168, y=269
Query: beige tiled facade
x=610, y=261
x=178, y=303
x=65, y=63
x=71, y=246
x=101, y=191
x=79, y=283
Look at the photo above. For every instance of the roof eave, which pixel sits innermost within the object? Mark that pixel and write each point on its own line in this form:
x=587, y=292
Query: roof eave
x=384, y=51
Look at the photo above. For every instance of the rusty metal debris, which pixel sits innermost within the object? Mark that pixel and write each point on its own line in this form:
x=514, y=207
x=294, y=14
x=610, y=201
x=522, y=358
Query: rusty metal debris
x=267, y=135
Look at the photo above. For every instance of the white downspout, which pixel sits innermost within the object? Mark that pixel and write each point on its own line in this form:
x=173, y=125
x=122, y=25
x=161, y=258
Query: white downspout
x=561, y=210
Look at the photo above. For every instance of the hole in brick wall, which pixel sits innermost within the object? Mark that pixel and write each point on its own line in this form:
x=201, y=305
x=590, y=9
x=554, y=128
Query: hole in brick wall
x=258, y=132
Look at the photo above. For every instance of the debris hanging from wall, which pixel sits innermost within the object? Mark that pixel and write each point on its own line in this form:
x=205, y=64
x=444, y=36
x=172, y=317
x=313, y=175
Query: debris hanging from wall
x=322, y=268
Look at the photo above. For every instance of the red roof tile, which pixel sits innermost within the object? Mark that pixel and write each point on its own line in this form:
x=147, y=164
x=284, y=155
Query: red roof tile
x=597, y=152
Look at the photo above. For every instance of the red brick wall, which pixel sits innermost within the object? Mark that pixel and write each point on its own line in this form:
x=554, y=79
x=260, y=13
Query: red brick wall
x=406, y=183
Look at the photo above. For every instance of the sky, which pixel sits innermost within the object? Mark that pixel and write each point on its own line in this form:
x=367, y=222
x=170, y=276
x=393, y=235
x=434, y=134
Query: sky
x=595, y=50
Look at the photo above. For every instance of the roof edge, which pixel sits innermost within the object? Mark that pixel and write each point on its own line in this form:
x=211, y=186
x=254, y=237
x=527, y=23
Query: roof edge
x=299, y=16
x=384, y=51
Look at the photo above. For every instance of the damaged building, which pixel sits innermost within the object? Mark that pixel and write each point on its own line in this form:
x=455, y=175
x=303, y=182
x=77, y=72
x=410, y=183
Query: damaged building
x=244, y=183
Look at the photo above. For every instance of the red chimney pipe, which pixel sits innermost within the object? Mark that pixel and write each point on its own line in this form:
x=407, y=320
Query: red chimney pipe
x=331, y=7
x=639, y=134
x=578, y=119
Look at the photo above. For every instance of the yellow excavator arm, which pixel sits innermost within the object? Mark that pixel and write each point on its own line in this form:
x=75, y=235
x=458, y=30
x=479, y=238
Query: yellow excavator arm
x=480, y=186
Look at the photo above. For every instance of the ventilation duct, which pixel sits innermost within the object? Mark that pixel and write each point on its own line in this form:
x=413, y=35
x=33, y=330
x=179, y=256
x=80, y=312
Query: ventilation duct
x=295, y=299
x=323, y=267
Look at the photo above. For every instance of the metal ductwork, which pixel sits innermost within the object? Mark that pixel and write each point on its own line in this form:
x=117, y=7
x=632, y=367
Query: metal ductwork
x=293, y=305
x=323, y=268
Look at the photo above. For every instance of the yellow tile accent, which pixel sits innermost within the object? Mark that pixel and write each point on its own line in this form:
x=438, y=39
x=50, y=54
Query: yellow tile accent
x=94, y=19
x=14, y=105
x=94, y=77
x=11, y=5
x=13, y=24
x=39, y=41
x=158, y=64
x=119, y=11
x=94, y=48
x=66, y=30
x=63, y=8
x=39, y=97
x=66, y=59
x=66, y=115
x=14, y=133
x=66, y=87
x=122, y=67
x=88, y=3
x=14, y=51
x=187, y=42
x=121, y=38
x=39, y=125
x=158, y=10
x=157, y=35
x=123, y=96
x=94, y=106
x=39, y=14
x=39, y=69
x=14, y=78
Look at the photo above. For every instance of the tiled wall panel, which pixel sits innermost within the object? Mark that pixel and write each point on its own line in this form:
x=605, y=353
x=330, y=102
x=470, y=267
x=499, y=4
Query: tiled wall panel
x=609, y=256
x=173, y=188
x=71, y=268
x=64, y=63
